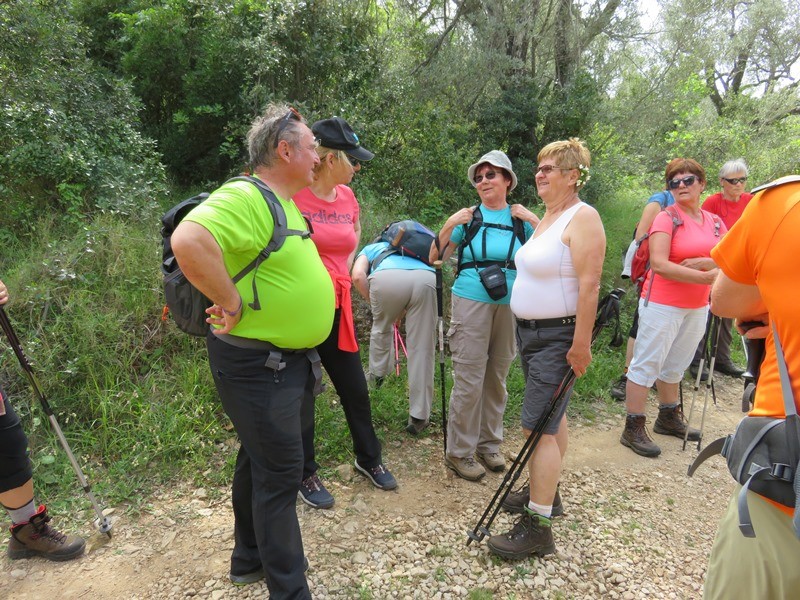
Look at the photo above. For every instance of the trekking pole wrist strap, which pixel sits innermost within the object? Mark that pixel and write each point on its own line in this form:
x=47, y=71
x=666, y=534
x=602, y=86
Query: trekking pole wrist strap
x=234, y=312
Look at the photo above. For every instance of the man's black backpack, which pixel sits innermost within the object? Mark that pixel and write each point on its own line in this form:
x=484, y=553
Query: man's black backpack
x=186, y=303
x=474, y=227
x=407, y=238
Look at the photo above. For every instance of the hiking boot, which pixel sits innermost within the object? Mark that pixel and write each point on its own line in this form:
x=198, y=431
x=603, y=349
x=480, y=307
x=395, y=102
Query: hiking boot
x=466, y=467
x=494, y=461
x=416, y=426
x=313, y=493
x=516, y=502
x=635, y=437
x=670, y=421
x=257, y=575
x=37, y=538
x=379, y=476
x=531, y=534
x=618, y=388
x=729, y=369
x=694, y=367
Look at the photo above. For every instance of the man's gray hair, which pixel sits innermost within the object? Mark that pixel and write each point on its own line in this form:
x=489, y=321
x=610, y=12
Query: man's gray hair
x=278, y=122
x=733, y=167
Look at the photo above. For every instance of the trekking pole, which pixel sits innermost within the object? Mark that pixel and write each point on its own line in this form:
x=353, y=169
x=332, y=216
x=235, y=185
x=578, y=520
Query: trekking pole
x=716, y=325
x=396, y=350
x=696, y=386
x=437, y=264
x=103, y=522
x=398, y=345
x=607, y=309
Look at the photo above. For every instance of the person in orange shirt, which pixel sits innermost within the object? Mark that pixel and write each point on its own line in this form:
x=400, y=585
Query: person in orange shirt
x=758, y=283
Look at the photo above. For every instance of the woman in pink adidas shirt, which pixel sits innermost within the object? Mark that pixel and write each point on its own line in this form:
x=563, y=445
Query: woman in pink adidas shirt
x=333, y=212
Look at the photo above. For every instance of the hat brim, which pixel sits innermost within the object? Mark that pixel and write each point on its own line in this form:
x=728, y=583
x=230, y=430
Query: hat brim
x=360, y=153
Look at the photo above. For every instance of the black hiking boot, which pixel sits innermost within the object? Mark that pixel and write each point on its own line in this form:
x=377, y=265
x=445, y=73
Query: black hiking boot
x=516, y=502
x=37, y=538
x=635, y=437
x=670, y=421
x=619, y=389
x=531, y=534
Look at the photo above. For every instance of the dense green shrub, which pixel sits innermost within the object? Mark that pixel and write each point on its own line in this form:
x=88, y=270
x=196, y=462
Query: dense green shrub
x=69, y=137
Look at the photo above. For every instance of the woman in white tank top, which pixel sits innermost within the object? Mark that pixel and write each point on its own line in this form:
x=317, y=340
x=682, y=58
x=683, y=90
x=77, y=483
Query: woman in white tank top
x=555, y=301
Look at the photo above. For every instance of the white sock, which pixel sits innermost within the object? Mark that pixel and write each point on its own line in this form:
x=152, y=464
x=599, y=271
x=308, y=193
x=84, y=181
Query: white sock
x=22, y=514
x=541, y=509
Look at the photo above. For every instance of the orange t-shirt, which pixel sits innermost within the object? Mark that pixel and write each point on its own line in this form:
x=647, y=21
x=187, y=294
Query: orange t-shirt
x=760, y=249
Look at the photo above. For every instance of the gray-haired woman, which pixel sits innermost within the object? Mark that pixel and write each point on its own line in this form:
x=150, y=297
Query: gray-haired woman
x=729, y=204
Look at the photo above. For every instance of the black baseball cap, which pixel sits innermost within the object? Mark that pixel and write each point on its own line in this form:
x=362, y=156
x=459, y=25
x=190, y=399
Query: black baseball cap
x=336, y=133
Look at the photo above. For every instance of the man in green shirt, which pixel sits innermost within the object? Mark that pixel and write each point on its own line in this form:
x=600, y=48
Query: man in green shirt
x=262, y=328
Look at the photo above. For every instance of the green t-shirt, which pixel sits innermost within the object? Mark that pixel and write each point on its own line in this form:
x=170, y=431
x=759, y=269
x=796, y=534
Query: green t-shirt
x=294, y=288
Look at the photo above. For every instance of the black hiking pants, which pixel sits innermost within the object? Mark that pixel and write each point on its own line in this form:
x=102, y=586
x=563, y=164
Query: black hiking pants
x=347, y=375
x=264, y=407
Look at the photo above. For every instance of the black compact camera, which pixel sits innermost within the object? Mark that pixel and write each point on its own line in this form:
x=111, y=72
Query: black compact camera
x=494, y=282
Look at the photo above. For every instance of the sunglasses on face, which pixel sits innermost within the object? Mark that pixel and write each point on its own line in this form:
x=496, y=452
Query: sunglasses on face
x=489, y=175
x=688, y=181
x=284, y=121
x=547, y=169
x=735, y=180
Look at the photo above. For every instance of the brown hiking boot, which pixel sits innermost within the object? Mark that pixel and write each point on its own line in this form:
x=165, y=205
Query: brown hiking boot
x=516, y=502
x=670, y=421
x=635, y=437
x=531, y=534
x=37, y=538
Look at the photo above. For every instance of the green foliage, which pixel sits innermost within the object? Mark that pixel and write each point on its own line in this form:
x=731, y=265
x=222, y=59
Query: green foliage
x=69, y=141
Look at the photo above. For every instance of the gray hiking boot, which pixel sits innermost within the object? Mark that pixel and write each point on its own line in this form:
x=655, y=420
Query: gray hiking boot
x=466, y=468
x=636, y=438
x=494, y=461
x=670, y=421
x=517, y=501
x=37, y=538
x=531, y=534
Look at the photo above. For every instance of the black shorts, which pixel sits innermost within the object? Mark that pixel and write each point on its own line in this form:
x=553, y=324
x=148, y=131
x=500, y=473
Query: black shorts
x=15, y=466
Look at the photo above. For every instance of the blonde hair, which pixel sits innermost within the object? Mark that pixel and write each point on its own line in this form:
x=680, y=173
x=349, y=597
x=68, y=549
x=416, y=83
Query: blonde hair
x=569, y=154
x=323, y=151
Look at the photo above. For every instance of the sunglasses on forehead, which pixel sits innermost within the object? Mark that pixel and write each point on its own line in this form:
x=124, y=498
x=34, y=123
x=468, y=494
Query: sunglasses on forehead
x=735, y=180
x=687, y=181
x=293, y=114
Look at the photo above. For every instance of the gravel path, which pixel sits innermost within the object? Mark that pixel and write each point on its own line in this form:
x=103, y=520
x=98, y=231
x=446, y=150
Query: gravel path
x=634, y=528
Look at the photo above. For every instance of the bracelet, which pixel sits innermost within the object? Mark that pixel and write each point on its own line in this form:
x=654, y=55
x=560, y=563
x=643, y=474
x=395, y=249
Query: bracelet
x=235, y=312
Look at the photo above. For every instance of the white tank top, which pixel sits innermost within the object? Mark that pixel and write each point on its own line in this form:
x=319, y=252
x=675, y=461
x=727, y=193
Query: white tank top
x=547, y=285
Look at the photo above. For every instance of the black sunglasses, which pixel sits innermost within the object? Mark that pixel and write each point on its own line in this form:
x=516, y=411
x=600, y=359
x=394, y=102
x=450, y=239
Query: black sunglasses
x=687, y=181
x=293, y=114
x=735, y=180
x=489, y=175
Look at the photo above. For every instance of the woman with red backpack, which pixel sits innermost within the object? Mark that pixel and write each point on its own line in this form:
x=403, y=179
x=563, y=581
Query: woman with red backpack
x=672, y=308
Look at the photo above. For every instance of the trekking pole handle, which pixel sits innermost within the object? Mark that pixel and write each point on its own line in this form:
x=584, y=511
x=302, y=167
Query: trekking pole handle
x=401, y=231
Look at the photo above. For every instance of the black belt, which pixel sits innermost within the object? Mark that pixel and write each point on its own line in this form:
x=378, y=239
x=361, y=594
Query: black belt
x=542, y=323
x=275, y=359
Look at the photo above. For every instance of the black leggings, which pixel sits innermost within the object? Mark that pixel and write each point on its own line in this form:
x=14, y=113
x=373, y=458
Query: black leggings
x=15, y=466
x=347, y=375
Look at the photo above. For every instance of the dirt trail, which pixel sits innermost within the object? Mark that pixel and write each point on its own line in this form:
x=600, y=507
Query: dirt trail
x=633, y=528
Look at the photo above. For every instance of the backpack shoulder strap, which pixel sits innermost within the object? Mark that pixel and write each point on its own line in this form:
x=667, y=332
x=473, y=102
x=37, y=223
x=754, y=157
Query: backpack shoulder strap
x=280, y=231
x=379, y=259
